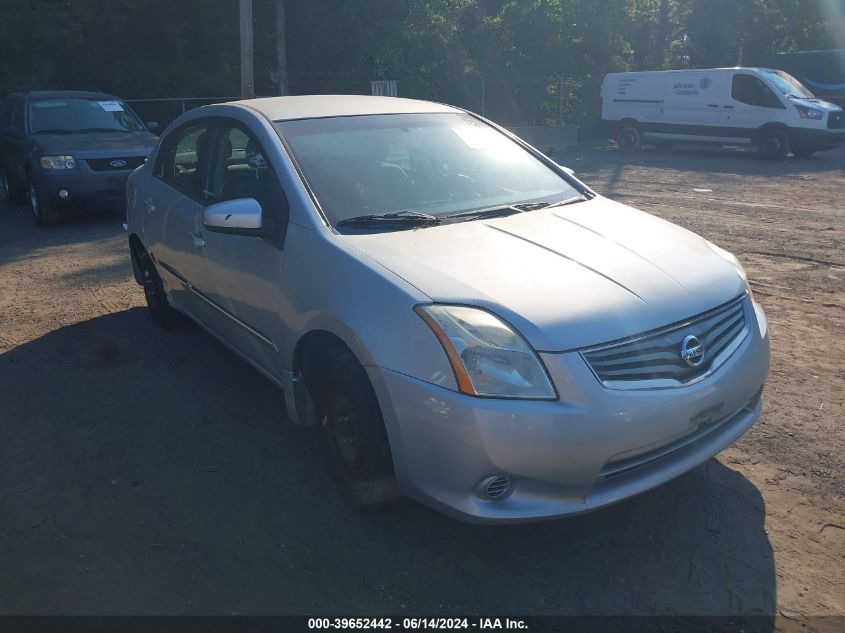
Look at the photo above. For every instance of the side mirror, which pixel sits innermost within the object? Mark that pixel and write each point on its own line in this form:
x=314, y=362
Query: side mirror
x=152, y=126
x=240, y=217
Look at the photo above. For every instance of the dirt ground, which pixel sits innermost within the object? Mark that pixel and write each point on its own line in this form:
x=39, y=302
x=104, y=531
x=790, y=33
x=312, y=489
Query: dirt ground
x=144, y=471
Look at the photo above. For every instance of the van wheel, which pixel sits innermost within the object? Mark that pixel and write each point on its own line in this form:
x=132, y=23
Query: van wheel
x=773, y=144
x=354, y=431
x=44, y=214
x=629, y=138
x=157, y=303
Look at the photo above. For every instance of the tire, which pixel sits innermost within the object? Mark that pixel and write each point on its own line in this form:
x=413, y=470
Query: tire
x=773, y=144
x=44, y=214
x=629, y=138
x=354, y=432
x=158, y=305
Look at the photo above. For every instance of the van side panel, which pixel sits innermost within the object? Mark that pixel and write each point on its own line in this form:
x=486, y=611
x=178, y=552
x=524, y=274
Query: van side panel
x=637, y=96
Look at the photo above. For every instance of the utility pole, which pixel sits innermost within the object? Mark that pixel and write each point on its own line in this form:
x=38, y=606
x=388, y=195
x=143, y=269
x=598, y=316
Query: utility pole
x=247, y=77
x=281, y=48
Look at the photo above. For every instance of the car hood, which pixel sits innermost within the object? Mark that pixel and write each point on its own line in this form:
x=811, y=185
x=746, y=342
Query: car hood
x=566, y=278
x=96, y=144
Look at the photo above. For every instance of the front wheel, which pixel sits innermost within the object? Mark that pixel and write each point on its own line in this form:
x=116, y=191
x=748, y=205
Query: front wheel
x=773, y=144
x=354, y=431
x=44, y=214
x=629, y=139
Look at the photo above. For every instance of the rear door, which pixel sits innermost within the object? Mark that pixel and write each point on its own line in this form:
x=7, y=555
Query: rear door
x=172, y=204
x=242, y=274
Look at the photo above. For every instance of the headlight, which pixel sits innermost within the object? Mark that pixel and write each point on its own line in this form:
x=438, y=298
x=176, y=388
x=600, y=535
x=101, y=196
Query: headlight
x=809, y=113
x=488, y=357
x=57, y=162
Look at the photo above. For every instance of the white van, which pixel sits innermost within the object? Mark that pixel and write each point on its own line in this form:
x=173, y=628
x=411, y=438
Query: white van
x=759, y=107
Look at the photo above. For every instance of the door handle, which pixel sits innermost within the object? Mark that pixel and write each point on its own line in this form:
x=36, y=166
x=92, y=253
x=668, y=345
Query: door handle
x=712, y=105
x=728, y=107
x=149, y=205
x=196, y=238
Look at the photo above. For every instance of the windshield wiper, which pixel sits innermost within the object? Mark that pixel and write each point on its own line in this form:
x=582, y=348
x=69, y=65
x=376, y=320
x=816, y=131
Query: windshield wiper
x=56, y=131
x=512, y=209
x=102, y=129
x=401, y=217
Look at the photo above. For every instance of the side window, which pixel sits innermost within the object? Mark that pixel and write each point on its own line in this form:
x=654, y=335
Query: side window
x=17, y=115
x=749, y=89
x=6, y=112
x=184, y=157
x=239, y=168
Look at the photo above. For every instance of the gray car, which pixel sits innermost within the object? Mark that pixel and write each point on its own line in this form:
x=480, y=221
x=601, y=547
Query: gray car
x=464, y=320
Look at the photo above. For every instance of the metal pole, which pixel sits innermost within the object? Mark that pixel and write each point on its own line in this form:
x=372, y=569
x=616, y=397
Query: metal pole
x=247, y=81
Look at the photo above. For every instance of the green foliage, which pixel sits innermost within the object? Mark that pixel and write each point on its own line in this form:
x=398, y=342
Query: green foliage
x=519, y=60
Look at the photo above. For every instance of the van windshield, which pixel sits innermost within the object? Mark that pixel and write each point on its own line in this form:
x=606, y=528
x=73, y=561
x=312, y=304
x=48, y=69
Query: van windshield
x=81, y=115
x=438, y=164
x=788, y=85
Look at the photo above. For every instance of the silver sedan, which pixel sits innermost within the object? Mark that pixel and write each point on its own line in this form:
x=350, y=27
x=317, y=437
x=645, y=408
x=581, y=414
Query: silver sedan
x=465, y=321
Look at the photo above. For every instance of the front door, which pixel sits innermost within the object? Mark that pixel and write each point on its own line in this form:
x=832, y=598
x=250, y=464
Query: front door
x=242, y=273
x=751, y=104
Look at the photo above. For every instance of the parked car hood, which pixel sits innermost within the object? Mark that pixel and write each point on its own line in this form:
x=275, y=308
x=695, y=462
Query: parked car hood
x=96, y=144
x=567, y=278
x=819, y=104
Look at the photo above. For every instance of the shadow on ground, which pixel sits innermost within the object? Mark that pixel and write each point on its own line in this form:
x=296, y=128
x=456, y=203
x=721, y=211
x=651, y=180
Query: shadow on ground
x=152, y=472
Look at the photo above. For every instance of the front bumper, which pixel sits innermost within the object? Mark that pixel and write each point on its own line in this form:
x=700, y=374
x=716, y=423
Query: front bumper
x=817, y=138
x=593, y=447
x=86, y=189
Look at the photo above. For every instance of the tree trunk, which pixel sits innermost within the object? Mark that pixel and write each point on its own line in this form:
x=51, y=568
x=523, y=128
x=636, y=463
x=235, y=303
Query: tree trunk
x=662, y=34
x=281, y=48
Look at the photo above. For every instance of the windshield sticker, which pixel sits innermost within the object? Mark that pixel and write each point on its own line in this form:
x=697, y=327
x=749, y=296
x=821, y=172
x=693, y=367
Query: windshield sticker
x=111, y=106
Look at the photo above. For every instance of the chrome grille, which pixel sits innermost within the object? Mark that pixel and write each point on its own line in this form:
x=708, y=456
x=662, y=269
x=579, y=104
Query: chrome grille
x=654, y=359
x=120, y=163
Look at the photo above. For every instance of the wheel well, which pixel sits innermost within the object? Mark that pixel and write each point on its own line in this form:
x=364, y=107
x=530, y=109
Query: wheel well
x=313, y=355
x=628, y=121
x=771, y=126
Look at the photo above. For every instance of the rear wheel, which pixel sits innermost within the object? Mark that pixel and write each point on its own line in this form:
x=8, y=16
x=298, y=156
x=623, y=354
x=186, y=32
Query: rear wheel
x=629, y=139
x=44, y=214
x=157, y=303
x=354, y=432
x=773, y=144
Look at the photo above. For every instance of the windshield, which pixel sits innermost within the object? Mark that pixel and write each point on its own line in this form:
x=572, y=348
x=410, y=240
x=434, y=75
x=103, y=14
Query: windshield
x=82, y=115
x=788, y=85
x=437, y=163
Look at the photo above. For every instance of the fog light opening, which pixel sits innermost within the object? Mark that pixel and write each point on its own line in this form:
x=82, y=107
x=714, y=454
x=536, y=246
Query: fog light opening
x=64, y=194
x=495, y=487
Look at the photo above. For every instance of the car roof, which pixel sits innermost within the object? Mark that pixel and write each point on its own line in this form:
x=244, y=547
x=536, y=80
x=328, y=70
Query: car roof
x=318, y=106
x=37, y=95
